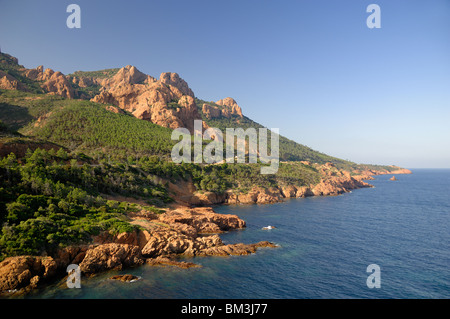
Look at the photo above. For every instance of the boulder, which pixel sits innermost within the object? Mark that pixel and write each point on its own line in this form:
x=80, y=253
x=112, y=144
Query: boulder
x=24, y=271
x=111, y=256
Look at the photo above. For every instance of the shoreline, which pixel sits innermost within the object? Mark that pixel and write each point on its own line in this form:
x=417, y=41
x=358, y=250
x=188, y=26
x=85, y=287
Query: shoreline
x=188, y=228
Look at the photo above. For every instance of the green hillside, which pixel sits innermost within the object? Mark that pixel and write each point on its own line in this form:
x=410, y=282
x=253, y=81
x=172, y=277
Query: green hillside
x=100, y=74
x=82, y=125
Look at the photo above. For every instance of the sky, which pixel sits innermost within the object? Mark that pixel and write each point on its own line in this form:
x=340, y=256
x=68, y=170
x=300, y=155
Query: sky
x=311, y=68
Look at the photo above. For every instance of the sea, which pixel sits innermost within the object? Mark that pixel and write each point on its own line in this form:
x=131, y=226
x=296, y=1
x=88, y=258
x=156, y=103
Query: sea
x=327, y=249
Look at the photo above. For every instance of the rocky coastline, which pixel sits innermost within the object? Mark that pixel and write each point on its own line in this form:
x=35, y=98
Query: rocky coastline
x=159, y=240
x=189, y=228
x=333, y=182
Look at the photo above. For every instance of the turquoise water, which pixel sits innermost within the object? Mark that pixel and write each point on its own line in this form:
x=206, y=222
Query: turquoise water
x=326, y=244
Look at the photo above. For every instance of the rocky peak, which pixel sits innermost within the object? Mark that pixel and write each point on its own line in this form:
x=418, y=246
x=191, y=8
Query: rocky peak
x=127, y=75
x=162, y=102
x=228, y=101
x=175, y=80
x=230, y=107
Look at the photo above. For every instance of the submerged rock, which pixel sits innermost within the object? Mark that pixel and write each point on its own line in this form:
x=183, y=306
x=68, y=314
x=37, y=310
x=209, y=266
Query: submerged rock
x=235, y=249
x=165, y=261
x=125, y=278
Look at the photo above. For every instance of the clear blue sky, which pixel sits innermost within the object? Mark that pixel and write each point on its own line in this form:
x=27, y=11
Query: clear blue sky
x=310, y=68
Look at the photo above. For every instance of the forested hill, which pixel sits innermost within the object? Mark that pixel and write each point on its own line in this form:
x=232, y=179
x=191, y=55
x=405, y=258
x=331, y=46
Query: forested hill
x=103, y=110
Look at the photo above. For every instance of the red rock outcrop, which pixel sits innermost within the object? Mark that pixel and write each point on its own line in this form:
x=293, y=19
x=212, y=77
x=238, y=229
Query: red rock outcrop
x=173, y=79
x=57, y=83
x=25, y=272
x=230, y=107
x=8, y=82
x=207, y=198
x=70, y=255
x=235, y=249
x=400, y=171
x=203, y=219
x=53, y=82
x=165, y=261
x=165, y=242
x=111, y=256
x=168, y=102
x=211, y=112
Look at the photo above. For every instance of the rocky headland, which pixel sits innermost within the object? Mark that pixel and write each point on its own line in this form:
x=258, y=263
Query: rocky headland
x=334, y=182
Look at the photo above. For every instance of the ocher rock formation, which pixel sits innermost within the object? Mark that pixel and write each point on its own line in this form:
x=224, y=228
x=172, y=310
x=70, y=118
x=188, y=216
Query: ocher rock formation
x=148, y=99
x=53, y=82
x=235, y=249
x=8, y=82
x=165, y=261
x=57, y=83
x=111, y=256
x=211, y=112
x=229, y=108
x=174, y=79
x=25, y=271
x=203, y=219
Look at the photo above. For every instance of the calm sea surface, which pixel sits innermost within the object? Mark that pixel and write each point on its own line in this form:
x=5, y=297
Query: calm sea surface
x=326, y=244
